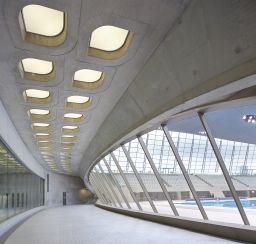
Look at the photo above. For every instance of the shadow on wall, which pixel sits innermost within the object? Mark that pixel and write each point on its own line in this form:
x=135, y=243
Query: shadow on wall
x=86, y=196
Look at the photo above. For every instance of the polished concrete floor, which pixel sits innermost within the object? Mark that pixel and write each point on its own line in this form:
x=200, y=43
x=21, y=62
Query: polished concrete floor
x=88, y=224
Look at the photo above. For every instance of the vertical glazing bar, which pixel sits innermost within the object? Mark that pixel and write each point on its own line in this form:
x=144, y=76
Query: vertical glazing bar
x=223, y=168
x=204, y=158
x=184, y=171
x=117, y=184
x=161, y=154
x=232, y=158
x=110, y=186
x=129, y=159
x=103, y=191
x=125, y=180
x=105, y=187
x=94, y=179
x=95, y=187
x=158, y=177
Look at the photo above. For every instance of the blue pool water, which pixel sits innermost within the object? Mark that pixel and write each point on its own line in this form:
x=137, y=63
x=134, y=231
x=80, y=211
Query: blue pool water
x=230, y=203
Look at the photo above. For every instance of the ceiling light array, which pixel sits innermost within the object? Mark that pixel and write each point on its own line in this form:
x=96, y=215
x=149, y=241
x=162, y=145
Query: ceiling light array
x=48, y=27
x=250, y=118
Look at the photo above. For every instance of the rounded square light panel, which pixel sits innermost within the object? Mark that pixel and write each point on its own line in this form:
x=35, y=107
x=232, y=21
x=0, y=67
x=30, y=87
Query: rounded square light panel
x=77, y=99
x=39, y=111
x=42, y=20
x=35, y=93
x=37, y=66
x=108, y=38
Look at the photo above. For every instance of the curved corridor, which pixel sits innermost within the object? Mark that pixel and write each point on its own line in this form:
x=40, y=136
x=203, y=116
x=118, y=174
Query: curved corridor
x=89, y=224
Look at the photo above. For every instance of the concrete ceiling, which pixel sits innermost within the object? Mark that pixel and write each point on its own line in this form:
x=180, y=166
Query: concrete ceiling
x=206, y=57
x=184, y=54
x=149, y=21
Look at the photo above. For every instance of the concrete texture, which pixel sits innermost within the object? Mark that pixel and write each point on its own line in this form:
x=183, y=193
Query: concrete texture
x=72, y=185
x=89, y=224
x=209, y=47
x=148, y=20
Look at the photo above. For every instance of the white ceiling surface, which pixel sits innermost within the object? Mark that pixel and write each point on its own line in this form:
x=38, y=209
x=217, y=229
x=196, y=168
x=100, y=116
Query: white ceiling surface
x=149, y=20
x=211, y=50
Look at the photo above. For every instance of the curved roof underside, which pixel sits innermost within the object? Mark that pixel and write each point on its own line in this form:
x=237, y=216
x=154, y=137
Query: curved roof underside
x=181, y=51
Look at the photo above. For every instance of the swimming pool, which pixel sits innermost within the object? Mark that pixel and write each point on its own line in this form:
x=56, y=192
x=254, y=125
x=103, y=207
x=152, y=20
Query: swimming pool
x=230, y=203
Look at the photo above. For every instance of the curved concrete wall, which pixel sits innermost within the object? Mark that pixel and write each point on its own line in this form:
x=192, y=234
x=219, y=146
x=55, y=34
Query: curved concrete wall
x=204, y=51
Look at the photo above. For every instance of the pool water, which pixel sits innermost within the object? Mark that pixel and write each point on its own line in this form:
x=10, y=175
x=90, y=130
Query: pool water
x=247, y=203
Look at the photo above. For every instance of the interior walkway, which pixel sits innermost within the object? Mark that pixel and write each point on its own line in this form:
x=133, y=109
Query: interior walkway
x=88, y=224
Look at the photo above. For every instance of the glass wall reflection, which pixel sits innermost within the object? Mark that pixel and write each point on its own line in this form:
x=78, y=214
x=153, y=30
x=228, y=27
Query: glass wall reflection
x=20, y=189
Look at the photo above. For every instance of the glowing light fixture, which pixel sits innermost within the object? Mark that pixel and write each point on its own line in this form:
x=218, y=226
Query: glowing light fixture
x=37, y=96
x=88, y=79
x=40, y=126
x=72, y=117
x=42, y=135
x=70, y=129
x=78, y=102
x=39, y=113
x=109, y=42
x=108, y=38
x=42, y=25
x=37, y=66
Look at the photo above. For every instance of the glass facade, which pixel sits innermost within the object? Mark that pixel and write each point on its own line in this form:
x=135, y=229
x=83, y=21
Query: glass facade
x=20, y=189
x=199, y=166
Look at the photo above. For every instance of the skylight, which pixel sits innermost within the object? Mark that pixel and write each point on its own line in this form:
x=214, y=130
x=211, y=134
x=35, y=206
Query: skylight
x=40, y=126
x=77, y=99
x=37, y=96
x=87, y=75
x=39, y=111
x=43, y=25
x=34, y=93
x=42, y=135
x=108, y=38
x=42, y=20
x=78, y=102
x=88, y=79
x=37, y=66
x=73, y=117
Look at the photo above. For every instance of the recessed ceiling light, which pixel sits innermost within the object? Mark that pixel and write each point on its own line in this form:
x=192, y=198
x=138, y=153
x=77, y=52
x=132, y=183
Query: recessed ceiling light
x=43, y=25
x=67, y=136
x=108, y=38
x=37, y=93
x=72, y=116
x=250, y=118
x=78, y=102
x=77, y=99
x=39, y=114
x=88, y=79
x=40, y=126
x=37, y=66
x=42, y=20
x=70, y=129
x=87, y=75
x=39, y=111
x=37, y=96
x=109, y=42
x=42, y=135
